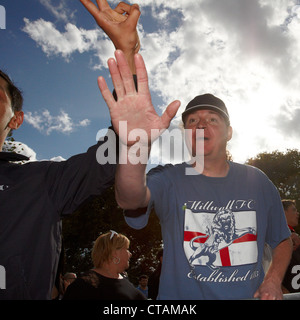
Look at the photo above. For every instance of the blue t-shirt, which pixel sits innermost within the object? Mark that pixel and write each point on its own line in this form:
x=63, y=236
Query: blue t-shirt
x=214, y=230
x=144, y=291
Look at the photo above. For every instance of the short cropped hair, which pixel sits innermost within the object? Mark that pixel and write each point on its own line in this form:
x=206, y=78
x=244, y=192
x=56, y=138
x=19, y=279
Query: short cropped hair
x=105, y=245
x=15, y=93
x=287, y=203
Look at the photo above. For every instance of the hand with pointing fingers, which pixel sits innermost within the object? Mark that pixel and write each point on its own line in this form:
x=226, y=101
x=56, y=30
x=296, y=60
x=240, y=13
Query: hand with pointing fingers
x=119, y=24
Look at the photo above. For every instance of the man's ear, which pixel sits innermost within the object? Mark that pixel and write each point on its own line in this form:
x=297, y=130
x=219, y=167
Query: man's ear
x=16, y=120
x=229, y=133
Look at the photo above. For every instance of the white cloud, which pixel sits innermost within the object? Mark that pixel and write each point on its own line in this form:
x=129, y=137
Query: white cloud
x=73, y=39
x=47, y=123
x=57, y=159
x=245, y=52
x=61, y=11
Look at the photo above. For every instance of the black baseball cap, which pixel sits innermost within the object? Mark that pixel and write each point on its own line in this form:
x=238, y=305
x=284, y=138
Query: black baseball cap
x=207, y=102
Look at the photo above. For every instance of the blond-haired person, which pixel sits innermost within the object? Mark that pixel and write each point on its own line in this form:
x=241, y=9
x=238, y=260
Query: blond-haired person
x=106, y=281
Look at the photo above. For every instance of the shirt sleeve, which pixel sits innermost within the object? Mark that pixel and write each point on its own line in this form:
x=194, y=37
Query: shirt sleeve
x=73, y=181
x=155, y=183
x=277, y=229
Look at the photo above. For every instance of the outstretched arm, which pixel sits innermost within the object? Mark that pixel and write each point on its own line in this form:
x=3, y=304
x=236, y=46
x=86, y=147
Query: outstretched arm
x=137, y=124
x=119, y=24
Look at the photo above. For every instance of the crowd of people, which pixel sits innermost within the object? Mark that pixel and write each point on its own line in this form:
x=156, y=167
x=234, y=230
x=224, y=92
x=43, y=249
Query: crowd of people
x=108, y=279
x=215, y=222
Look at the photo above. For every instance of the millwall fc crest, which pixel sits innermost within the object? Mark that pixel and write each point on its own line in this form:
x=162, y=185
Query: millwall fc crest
x=220, y=239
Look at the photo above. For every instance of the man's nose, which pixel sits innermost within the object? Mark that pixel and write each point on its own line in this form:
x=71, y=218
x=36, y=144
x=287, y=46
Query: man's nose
x=202, y=124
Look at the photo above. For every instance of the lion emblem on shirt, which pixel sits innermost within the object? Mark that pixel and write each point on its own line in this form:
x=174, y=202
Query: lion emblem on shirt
x=220, y=234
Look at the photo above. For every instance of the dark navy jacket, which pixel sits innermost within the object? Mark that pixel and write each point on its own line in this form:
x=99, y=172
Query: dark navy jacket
x=33, y=198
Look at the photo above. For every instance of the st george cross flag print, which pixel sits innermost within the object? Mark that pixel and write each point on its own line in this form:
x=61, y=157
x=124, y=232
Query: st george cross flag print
x=220, y=239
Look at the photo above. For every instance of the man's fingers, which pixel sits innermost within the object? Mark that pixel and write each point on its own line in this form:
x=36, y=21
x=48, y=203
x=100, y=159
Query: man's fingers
x=106, y=94
x=125, y=72
x=116, y=78
x=143, y=88
x=170, y=113
x=134, y=15
x=133, y=11
x=121, y=75
x=122, y=7
x=102, y=4
x=141, y=73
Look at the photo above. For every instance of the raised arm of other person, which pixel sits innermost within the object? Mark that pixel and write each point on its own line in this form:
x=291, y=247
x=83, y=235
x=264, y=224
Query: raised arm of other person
x=119, y=24
x=135, y=107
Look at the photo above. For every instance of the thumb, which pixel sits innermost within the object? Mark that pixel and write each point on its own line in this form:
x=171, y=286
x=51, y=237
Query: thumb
x=170, y=113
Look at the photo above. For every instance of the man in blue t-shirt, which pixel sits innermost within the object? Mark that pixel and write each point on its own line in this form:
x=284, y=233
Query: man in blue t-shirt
x=216, y=216
x=143, y=285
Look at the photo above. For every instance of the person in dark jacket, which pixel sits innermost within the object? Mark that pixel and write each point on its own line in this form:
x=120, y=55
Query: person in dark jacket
x=34, y=196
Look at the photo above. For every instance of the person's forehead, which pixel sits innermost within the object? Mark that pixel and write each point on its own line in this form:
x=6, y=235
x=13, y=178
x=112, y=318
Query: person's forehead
x=203, y=112
x=291, y=208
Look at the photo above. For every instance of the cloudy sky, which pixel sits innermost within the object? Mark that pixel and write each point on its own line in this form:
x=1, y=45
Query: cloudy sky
x=247, y=52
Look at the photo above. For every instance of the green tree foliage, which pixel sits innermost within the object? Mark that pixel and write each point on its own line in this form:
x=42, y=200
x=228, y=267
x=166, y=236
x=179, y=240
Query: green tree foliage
x=283, y=169
x=99, y=215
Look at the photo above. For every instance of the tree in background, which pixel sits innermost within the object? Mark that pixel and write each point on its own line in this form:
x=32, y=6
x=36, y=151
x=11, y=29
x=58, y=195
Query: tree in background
x=99, y=215
x=283, y=169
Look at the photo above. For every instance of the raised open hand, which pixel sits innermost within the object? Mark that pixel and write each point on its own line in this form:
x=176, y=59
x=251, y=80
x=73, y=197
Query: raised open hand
x=134, y=106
